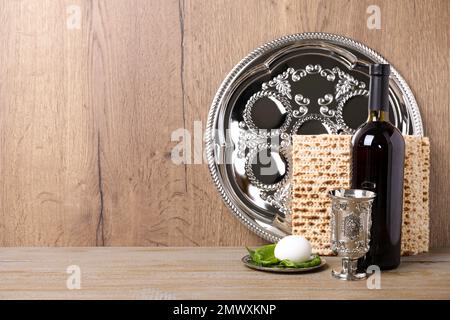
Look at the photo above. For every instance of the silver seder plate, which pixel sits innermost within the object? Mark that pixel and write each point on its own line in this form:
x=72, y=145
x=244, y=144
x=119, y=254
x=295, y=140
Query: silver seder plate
x=307, y=83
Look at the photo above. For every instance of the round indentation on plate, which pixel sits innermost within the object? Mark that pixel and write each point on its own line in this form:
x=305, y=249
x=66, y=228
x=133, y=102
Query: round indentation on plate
x=267, y=110
x=267, y=168
x=314, y=124
x=349, y=116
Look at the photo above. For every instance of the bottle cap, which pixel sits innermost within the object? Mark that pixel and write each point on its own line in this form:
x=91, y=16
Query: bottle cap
x=380, y=69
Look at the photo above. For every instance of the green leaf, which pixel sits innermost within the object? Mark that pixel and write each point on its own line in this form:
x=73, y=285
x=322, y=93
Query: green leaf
x=266, y=252
x=306, y=264
x=264, y=255
x=251, y=253
x=288, y=263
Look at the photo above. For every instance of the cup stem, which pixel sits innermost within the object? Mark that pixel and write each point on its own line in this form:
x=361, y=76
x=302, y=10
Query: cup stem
x=349, y=266
x=349, y=270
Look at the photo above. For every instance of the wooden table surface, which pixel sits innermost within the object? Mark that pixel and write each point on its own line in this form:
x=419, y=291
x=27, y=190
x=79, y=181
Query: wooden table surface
x=199, y=273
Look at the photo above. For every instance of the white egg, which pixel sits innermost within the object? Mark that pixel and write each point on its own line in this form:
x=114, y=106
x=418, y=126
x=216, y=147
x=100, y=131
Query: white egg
x=295, y=248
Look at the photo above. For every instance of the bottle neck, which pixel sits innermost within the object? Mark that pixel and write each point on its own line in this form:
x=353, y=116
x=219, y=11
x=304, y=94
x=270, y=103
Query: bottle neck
x=379, y=98
x=378, y=115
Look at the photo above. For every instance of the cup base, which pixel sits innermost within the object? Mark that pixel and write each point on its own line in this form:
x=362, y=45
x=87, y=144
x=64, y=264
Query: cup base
x=348, y=276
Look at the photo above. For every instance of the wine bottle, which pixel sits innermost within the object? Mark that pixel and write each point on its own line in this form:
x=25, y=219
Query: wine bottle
x=378, y=151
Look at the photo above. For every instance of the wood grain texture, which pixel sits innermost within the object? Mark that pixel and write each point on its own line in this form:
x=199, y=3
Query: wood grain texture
x=134, y=51
x=48, y=188
x=86, y=115
x=175, y=273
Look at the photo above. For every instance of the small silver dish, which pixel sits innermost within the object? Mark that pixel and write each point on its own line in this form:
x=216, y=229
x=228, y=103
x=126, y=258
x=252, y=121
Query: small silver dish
x=250, y=264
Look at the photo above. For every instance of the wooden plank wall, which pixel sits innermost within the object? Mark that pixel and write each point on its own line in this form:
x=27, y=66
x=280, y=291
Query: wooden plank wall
x=86, y=114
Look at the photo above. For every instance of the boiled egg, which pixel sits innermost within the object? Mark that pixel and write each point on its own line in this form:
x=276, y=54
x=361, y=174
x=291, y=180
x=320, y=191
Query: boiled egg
x=294, y=248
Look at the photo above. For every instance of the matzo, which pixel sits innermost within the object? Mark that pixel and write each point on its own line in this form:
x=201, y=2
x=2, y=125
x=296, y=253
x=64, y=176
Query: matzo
x=320, y=163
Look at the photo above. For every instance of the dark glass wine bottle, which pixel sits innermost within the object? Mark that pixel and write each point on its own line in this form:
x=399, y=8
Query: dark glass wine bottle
x=378, y=161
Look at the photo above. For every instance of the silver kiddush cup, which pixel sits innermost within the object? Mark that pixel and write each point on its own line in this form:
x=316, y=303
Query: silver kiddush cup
x=350, y=229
